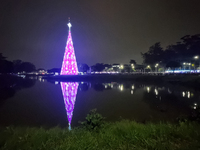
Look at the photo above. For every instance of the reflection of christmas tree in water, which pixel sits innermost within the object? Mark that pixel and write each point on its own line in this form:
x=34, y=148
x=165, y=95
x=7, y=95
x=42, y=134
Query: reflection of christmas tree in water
x=69, y=91
x=69, y=65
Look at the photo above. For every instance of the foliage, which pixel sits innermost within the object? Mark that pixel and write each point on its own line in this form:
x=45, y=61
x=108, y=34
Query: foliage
x=161, y=70
x=6, y=66
x=154, y=55
x=132, y=62
x=100, y=67
x=2, y=57
x=15, y=66
x=20, y=66
x=173, y=64
x=182, y=51
x=26, y=67
x=83, y=67
x=54, y=70
x=119, y=135
x=93, y=121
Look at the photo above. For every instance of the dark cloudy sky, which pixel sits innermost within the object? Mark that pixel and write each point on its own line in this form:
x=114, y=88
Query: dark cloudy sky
x=103, y=31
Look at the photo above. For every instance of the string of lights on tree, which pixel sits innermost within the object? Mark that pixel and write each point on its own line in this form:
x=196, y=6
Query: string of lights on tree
x=69, y=65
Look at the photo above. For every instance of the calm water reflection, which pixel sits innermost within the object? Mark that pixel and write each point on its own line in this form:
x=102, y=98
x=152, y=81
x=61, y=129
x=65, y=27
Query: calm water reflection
x=41, y=103
x=69, y=91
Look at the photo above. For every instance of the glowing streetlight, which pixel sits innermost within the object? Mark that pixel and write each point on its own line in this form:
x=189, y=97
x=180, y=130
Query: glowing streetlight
x=121, y=87
x=156, y=67
x=132, y=65
x=148, y=67
x=148, y=89
x=196, y=57
x=184, y=65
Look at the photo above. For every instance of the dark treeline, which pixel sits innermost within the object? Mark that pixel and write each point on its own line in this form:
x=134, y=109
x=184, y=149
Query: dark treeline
x=174, y=55
x=15, y=66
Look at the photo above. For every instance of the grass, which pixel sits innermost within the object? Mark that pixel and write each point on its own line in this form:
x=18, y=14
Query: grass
x=119, y=135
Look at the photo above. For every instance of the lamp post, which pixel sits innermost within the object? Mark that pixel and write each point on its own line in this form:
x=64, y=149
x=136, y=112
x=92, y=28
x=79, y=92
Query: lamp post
x=156, y=67
x=184, y=65
x=196, y=57
x=149, y=67
x=189, y=66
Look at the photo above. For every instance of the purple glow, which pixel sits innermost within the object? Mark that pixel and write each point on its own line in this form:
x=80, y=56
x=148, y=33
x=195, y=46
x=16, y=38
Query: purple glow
x=69, y=91
x=69, y=65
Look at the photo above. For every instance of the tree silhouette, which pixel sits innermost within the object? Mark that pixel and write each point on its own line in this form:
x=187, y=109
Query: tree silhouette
x=54, y=70
x=132, y=62
x=26, y=67
x=2, y=57
x=5, y=65
x=16, y=64
x=83, y=67
x=98, y=67
x=183, y=51
x=173, y=65
x=154, y=55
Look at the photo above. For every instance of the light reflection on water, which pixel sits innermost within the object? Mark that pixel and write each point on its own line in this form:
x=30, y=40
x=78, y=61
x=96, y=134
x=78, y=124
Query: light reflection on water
x=37, y=106
x=153, y=92
x=69, y=91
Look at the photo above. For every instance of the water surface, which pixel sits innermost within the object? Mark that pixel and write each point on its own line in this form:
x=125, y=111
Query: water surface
x=41, y=103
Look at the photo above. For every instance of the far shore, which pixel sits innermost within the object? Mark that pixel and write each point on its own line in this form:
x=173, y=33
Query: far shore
x=182, y=79
x=190, y=80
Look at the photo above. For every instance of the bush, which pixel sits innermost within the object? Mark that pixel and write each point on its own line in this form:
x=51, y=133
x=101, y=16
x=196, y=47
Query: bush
x=93, y=120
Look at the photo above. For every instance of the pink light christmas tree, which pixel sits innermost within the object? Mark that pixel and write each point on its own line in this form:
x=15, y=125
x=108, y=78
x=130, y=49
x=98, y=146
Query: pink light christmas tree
x=69, y=65
x=69, y=91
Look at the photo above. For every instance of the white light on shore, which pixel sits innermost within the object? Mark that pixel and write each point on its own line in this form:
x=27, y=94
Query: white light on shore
x=131, y=91
x=148, y=89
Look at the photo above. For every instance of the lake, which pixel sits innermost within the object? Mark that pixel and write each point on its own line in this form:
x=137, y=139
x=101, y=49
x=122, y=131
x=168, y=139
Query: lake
x=37, y=102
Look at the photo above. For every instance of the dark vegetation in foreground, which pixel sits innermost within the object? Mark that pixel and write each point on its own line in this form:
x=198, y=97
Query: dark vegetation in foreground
x=96, y=134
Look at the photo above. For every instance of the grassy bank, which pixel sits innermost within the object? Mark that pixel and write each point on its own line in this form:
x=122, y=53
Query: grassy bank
x=119, y=135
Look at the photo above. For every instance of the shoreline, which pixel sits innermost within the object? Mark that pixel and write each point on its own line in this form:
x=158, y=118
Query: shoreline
x=190, y=80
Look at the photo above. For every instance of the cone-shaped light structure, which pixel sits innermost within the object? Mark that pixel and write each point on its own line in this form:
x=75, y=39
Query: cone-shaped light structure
x=69, y=91
x=69, y=64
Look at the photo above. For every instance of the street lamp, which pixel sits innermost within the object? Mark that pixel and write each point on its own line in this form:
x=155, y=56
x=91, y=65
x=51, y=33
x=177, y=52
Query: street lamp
x=184, y=65
x=132, y=65
x=149, y=67
x=196, y=57
x=156, y=67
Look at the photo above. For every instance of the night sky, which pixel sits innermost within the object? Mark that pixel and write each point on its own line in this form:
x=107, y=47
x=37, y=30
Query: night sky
x=103, y=31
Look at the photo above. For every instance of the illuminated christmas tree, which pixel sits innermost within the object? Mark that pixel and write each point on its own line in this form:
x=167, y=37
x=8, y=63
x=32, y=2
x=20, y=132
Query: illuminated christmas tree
x=69, y=65
x=69, y=91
